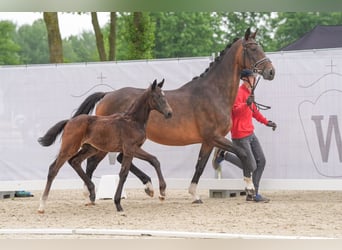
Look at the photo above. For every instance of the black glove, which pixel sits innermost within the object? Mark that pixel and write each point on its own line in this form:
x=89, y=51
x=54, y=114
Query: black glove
x=271, y=124
x=250, y=100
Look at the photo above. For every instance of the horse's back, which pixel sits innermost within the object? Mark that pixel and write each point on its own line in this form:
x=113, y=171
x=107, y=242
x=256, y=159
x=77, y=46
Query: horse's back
x=118, y=101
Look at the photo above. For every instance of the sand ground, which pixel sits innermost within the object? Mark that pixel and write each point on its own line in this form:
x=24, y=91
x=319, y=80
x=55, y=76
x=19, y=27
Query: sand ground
x=290, y=213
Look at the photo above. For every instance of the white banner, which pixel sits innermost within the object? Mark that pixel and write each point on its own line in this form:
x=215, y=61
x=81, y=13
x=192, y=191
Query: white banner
x=305, y=99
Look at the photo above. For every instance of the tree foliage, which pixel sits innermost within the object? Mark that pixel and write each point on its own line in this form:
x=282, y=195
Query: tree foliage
x=33, y=42
x=80, y=48
x=139, y=35
x=185, y=34
x=142, y=35
x=8, y=48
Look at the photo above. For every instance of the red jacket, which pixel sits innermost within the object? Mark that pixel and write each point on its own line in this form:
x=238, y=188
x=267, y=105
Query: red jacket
x=242, y=115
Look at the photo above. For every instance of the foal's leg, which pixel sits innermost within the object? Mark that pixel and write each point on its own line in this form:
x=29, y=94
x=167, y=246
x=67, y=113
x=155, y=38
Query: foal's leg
x=143, y=155
x=53, y=170
x=146, y=180
x=86, y=151
x=201, y=163
x=126, y=163
x=93, y=162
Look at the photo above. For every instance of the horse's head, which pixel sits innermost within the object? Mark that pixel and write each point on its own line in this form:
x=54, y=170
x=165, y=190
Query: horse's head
x=254, y=57
x=158, y=100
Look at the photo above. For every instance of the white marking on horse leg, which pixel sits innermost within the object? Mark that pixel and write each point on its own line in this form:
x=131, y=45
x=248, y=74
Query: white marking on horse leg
x=149, y=189
x=149, y=185
x=41, y=208
x=193, y=191
x=249, y=184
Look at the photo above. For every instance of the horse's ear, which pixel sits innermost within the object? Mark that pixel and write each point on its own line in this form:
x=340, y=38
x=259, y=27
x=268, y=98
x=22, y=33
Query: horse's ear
x=160, y=85
x=247, y=33
x=154, y=84
x=254, y=34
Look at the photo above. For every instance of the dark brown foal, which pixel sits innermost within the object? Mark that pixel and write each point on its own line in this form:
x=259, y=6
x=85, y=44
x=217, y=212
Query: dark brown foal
x=86, y=135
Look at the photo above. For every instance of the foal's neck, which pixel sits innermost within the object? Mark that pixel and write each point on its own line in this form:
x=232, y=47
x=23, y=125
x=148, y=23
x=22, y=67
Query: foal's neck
x=140, y=109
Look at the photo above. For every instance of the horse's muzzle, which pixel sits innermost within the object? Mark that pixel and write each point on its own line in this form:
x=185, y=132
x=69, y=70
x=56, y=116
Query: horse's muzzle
x=268, y=73
x=168, y=115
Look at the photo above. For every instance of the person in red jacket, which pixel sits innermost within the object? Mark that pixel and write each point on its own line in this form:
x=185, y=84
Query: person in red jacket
x=242, y=133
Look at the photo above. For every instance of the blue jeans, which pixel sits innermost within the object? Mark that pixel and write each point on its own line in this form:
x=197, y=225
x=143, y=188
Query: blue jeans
x=255, y=157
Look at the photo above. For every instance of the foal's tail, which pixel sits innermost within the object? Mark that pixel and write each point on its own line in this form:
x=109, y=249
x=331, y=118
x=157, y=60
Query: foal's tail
x=52, y=133
x=89, y=103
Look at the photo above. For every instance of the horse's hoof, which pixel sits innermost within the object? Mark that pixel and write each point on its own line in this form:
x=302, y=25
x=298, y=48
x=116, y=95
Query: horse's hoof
x=90, y=204
x=250, y=191
x=122, y=213
x=149, y=192
x=161, y=198
x=199, y=201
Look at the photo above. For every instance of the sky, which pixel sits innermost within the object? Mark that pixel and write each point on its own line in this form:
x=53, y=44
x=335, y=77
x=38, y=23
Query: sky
x=69, y=24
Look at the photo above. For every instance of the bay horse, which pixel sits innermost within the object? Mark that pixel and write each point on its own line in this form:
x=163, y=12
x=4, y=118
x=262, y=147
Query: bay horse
x=201, y=107
x=86, y=135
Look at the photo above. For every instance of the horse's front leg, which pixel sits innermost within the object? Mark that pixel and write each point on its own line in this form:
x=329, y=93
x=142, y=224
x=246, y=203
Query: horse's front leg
x=143, y=155
x=201, y=163
x=126, y=163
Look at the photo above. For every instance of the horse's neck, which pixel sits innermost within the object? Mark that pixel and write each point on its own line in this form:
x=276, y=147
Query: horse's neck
x=140, y=110
x=223, y=76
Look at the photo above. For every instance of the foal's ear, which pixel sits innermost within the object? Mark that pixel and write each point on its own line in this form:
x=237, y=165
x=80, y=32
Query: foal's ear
x=247, y=33
x=160, y=85
x=154, y=84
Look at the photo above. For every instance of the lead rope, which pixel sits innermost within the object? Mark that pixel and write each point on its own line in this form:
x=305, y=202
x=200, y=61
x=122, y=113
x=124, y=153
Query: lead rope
x=259, y=106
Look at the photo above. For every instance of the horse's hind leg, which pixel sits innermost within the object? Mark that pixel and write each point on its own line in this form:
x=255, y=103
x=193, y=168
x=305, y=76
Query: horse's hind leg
x=227, y=145
x=146, y=180
x=53, y=170
x=85, y=152
x=143, y=155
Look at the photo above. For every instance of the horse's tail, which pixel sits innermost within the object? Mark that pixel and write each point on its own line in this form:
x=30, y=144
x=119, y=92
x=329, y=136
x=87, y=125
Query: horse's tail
x=50, y=137
x=89, y=103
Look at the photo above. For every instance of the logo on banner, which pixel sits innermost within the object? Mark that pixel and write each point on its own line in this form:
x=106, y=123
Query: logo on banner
x=321, y=120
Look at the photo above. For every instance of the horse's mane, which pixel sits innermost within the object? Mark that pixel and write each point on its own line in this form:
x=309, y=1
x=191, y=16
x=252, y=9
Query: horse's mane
x=217, y=59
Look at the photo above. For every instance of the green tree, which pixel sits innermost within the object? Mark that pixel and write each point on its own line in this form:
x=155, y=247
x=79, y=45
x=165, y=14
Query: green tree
x=8, y=48
x=290, y=26
x=81, y=48
x=33, y=42
x=235, y=24
x=139, y=36
x=186, y=34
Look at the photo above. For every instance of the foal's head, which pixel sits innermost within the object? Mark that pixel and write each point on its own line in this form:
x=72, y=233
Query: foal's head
x=157, y=100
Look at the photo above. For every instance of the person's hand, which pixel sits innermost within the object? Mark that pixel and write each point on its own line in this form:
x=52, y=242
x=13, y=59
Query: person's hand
x=271, y=124
x=250, y=100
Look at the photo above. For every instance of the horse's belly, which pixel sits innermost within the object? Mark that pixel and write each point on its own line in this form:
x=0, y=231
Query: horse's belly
x=169, y=133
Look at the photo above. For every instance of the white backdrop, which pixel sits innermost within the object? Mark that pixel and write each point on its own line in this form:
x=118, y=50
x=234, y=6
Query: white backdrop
x=305, y=98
